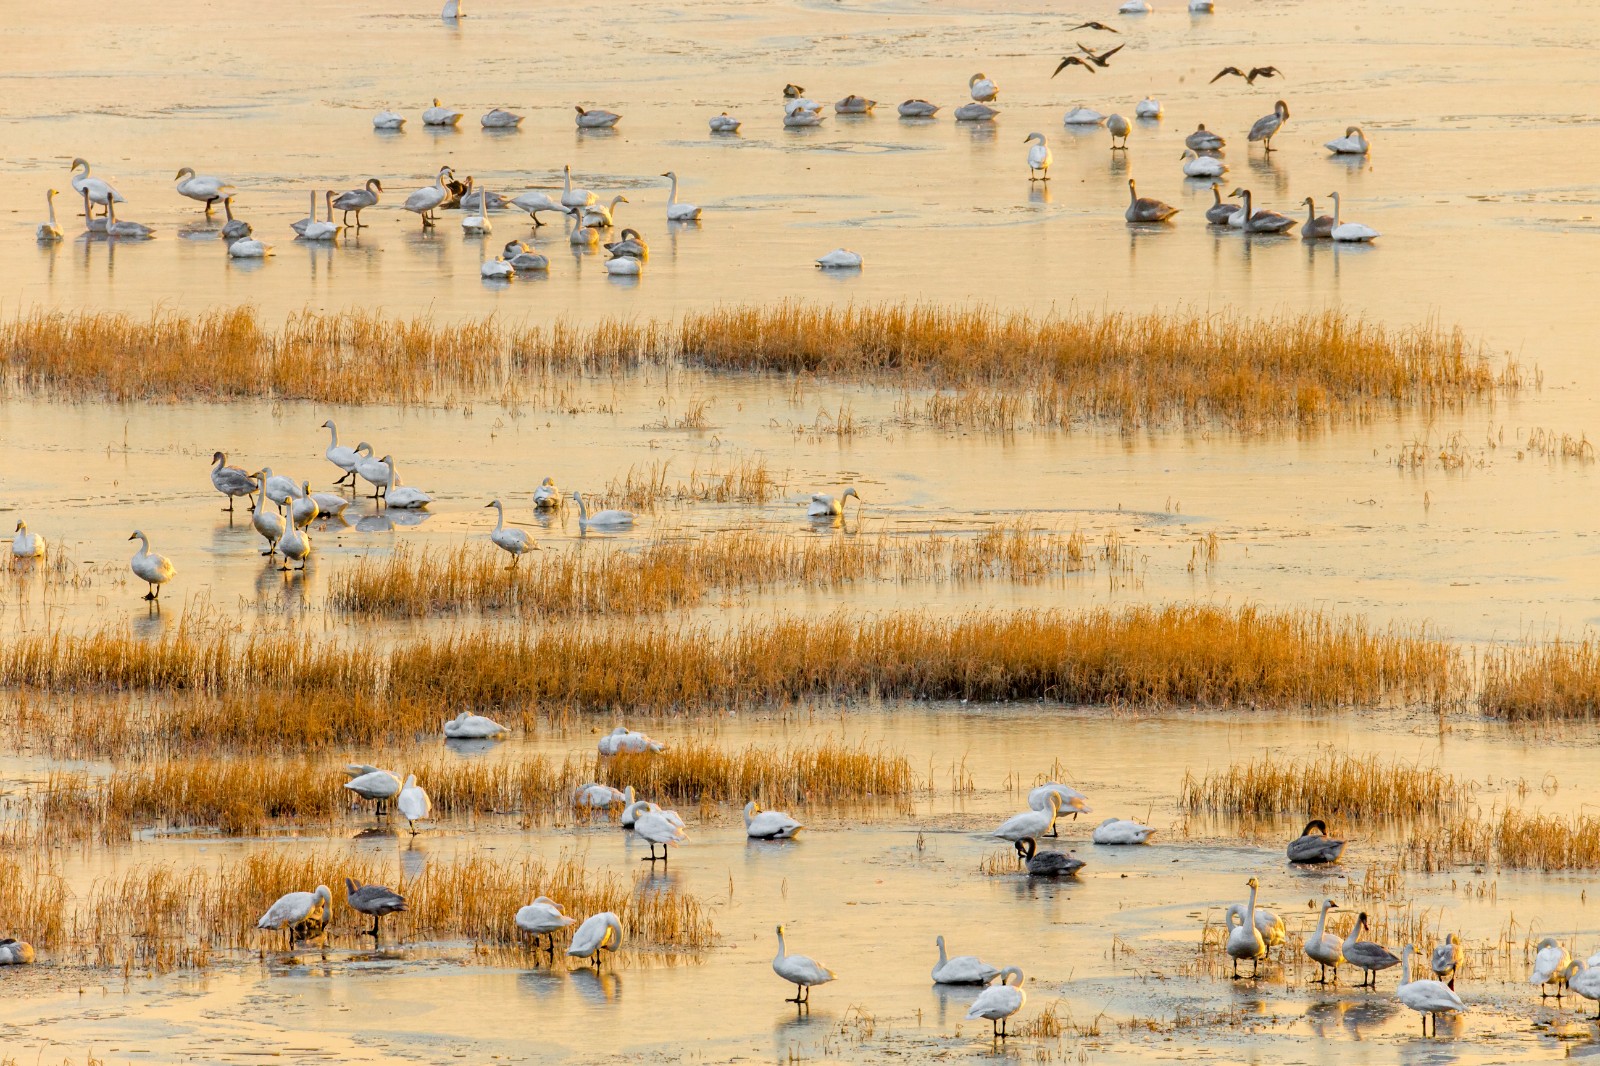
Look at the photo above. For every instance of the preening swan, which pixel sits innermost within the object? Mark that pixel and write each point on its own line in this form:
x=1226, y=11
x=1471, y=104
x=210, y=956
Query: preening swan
x=1366, y=955
x=1268, y=125
x=1323, y=948
x=202, y=187
x=1446, y=960
x=1144, y=209
x=1202, y=166
x=571, y=197
x=547, y=496
x=438, y=115
x=609, y=519
x=1029, y=824
x=1118, y=126
x=500, y=119
x=413, y=803
x=1203, y=140
x=823, y=505
x=1353, y=232
x=1244, y=939
x=358, y=200
x=983, y=88
x=295, y=909
x=48, y=231
x=1313, y=848
x=1549, y=965
x=624, y=740
x=596, y=119
x=375, y=900
x=388, y=120
x=543, y=918
x=976, y=113
x=1149, y=107
x=465, y=726
x=630, y=244
x=961, y=970
x=677, y=212
x=134, y=230
x=1078, y=115
x=515, y=541
x=769, y=825
x=602, y=216
x=1428, y=998
x=231, y=481
x=998, y=1003
x=26, y=545
x=496, y=269
x=1354, y=142
x=1121, y=831
x=1039, y=157
x=1073, y=802
x=427, y=199
x=375, y=786
x=840, y=259
x=1317, y=228
x=595, y=795
x=97, y=191
x=154, y=570
x=233, y=229
x=16, y=952
x=1051, y=863
x=724, y=123
x=918, y=109
x=854, y=105
x=801, y=971
x=602, y=931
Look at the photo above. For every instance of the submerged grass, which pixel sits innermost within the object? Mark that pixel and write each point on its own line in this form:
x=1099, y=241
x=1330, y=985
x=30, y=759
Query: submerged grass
x=1177, y=366
x=1139, y=656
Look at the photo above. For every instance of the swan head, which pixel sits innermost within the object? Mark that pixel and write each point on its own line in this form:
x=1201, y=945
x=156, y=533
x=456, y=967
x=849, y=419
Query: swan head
x=374, y=183
x=1361, y=923
x=1281, y=109
x=493, y=503
x=326, y=425
x=1329, y=905
x=435, y=101
x=1334, y=197
x=1253, y=883
x=550, y=481
x=21, y=525
x=189, y=171
x=1316, y=823
x=138, y=534
x=1033, y=137
x=672, y=174
x=1547, y=942
x=851, y=491
x=219, y=457
x=80, y=162
x=976, y=78
x=790, y=91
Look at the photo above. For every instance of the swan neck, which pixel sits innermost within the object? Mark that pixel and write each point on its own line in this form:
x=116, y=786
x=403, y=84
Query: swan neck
x=1250, y=907
x=1322, y=921
x=941, y=951
x=1405, y=966
x=501, y=511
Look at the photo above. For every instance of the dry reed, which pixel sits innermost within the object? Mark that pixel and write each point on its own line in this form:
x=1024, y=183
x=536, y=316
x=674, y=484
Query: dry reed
x=1188, y=367
x=1531, y=681
x=1324, y=785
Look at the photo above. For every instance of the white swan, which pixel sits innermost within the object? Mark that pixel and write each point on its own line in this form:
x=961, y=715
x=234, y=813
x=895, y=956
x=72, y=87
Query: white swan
x=1268, y=924
x=1149, y=107
x=1244, y=939
x=1118, y=126
x=233, y=229
x=659, y=827
x=231, y=481
x=724, y=123
x=377, y=473
x=452, y=10
x=466, y=726
x=1039, y=157
x=534, y=202
x=439, y=115
x=1368, y=956
x=1354, y=142
x=595, y=795
x=500, y=119
x=601, y=931
x=250, y=248
x=297, y=908
x=295, y=544
x=976, y=113
x=1582, y=979
x=547, y=497
x=135, y=230
x=202, y=187
x=1135, y=7
x=823, y=505
x=48, y=231
x=629, y=244
x=388, y=120
x=581, y=234
x=1073, y=802
x=413, y=803
x=961, y=970
x=769, y=825
x=1078, y=115
x=624, y=266
x=98, y=191
x=1121, y=831
x=1323, y=948
x=522, y=258
x=918, y=109
x=602, y=216
x=571, y=197
x=610, y=519
x=1428, y=998
x=304, y=509
x=1196, y=165
x=316, y=229
x=479, y=221
x=496, y=269
x=802, y=119
x=340, y=456
x=596, y=119
x=840, y=259
x=358, y=200
x=427, y=199
x=1350, y=232
x=622, y=739
x=854, y=105
x=982, y=87
x=515, y=541
x=543, y=917
x=374, y=785
x=1268, y=125
x=154, y=570
x=26, y=545
x=677, y=212
x=404, y=496
x=277, y=488
x=1549, y=963
x=799, y=970
x=998, y=1003
x=1029, y=824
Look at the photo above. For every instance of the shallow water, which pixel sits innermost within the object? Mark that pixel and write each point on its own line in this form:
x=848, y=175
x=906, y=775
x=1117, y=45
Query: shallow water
x=1481, y=179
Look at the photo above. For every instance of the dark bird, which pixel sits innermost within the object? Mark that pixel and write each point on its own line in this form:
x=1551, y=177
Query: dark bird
x=1094, y=26
x=1052, y=863
x=1071, y=61
x=1104, y=58
x=374, y=900
x=1250, y=78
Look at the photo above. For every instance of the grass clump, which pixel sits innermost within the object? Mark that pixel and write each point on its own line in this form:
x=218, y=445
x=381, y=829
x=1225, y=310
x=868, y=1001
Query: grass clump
x=1328, y=783
x=1550, y=680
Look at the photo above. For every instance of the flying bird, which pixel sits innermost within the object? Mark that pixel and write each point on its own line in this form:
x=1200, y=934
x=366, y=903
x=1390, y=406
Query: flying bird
x=1094, y=26
x=1104, y=58
x=1250, y=78
x=1070, y=61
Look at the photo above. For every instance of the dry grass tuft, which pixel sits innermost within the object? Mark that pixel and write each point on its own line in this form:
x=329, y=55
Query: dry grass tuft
x=826, y=772
x=1324, y=785
x=1550, y=680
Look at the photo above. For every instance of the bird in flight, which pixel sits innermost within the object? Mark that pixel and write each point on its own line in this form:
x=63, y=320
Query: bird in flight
x=1070, y=61
x=1250, y=78
x=1104, y=58
x=1094, y=26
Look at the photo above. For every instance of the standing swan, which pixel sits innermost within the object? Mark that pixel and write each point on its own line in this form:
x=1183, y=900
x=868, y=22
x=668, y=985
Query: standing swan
x=1325, y=949
x=1039, y=157
x=1446, y=958
x=340, y=456
x=1368, y=956
x=358, y=200
x=94, y=189
x=377, y=473
x=600, y=931
x=1244, y=939
x=1029, y=825
x=543, y=918
x=413, y=803
x=677, y=212
x=962, y=970
x=659, y=827
x=203, y=187
x=49, y=231
x=515, y=541
x=231, y=481
x=999, y=1002
x=295, y=909
x=427, y=199
x=571, y=197
x=1427, y=998
x=295, y=544
x=375, y=900
x=154, y=570
x=983, y=88
x=1268, y=125
x=800, y=971
x=1549, y=963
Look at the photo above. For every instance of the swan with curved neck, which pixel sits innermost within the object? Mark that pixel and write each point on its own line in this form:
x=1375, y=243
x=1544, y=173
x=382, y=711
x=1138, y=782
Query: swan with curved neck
x=677, y=212
x=49, y=231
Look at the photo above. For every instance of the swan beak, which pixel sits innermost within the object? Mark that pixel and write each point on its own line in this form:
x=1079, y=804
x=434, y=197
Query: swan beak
x=134, y=536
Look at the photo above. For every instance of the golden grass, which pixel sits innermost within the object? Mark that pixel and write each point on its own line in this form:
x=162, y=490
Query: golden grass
x=820, y=773
x=647, y=488
x=1549, y=680
x=1326, y=785
x=676, y=573
x=1139, y=656
x=1179, y=366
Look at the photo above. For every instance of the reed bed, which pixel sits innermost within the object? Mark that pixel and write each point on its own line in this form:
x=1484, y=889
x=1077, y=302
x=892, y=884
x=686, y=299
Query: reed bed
x=161, y=917
x=1556, y=679
x=825, y=772
x=646, y=488
x=676, y=573
x=1139, y=656
x=1183, y=366
x=1327, y=784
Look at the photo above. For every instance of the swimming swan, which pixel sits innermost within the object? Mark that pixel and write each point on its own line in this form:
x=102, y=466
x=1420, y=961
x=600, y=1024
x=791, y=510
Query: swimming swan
x=677, y=212
x=609, y=519
x=962, y=970
x=823, y=505
x=768, y=825
x=48, y=231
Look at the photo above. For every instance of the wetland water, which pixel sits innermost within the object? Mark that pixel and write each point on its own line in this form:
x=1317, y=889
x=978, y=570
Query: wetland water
x=1481, y=179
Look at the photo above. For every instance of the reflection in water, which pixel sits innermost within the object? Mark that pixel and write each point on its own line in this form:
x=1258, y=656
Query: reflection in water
x=541, y=983
x=1039, y=192
x=470, y=747
x=1267, y=171
x=413, y=860
x=597, y=986
x=1369, y=1016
